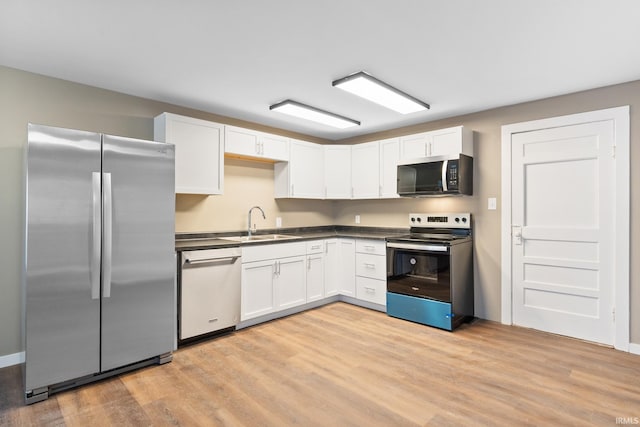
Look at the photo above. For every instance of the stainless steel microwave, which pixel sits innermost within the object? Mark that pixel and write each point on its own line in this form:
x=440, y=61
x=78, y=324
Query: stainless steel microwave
x=436, y=176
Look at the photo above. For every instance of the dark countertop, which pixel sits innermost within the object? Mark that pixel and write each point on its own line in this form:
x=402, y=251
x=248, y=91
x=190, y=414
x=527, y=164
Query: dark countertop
x=196, y=241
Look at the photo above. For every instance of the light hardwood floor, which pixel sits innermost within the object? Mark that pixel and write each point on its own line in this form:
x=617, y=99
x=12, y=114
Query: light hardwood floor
x=341, y=365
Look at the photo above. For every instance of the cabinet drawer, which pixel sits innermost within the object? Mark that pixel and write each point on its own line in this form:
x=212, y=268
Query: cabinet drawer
x=315, y=247
x=272, y=251
x=371, y=290
x=377, y=247
x=372, y=266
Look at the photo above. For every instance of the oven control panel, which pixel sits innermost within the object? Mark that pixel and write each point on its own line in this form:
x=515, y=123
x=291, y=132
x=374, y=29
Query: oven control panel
x=443, y=220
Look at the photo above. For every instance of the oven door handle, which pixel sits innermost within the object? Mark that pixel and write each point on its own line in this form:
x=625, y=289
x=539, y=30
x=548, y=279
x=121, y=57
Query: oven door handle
x=419, y=247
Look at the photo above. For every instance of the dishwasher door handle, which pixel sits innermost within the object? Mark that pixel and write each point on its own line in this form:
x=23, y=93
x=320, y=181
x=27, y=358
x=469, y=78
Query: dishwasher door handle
x=231, y=259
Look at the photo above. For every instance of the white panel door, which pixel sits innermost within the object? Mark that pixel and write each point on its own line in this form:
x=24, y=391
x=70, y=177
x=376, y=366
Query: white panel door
x=563, y=230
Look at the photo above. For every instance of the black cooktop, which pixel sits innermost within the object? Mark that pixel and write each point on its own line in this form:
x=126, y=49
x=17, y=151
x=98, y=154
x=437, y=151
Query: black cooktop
x=434, y=236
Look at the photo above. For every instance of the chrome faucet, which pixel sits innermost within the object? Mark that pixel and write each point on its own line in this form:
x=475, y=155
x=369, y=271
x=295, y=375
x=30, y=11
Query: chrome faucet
x=249, y=231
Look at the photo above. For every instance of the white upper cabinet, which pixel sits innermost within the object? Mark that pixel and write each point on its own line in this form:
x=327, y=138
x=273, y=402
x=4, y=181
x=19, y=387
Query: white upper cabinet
x=255, y=144
x=303, y=176
x=337, y=171
x=199, y=162
x=365, y=170
x=443, y=142
x=389, y=156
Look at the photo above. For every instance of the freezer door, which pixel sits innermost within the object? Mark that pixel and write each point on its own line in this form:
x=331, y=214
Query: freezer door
x=138, y=298
x=62, y=274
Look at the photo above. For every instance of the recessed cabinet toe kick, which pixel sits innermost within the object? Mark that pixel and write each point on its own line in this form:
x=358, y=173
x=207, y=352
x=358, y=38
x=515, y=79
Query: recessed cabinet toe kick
x=209, y=291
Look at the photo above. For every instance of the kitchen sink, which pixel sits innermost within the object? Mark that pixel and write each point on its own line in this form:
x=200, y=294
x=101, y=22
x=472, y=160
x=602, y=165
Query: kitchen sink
x=261, y=237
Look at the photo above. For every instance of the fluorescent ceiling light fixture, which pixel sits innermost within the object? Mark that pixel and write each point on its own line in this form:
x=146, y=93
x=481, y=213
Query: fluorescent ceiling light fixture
x=302, y=111
x=368, y=87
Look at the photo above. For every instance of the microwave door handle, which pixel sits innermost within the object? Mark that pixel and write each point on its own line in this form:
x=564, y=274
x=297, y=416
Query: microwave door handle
x=445, y=164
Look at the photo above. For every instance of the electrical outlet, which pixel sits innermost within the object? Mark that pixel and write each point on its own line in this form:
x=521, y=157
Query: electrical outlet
x=278, y=222
x=357, y=219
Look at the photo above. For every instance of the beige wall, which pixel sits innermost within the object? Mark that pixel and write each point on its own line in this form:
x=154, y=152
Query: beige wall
x=26, y=97
x=247, y=184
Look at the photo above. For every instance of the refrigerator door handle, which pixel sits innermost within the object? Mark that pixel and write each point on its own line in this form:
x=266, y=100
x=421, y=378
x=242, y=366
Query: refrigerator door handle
x=107, y=228
x=94, y=267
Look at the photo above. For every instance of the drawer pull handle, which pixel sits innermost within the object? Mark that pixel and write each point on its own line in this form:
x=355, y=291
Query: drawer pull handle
x=213, y=320
x=370, y=290
x=369, y=247
x=315, y=247
x=369, y=265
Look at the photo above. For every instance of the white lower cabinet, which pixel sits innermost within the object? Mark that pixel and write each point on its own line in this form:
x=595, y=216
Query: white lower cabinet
x=273, y=278
x=339, y=267
x=331, y=267
x=371, y=290
x=281, y=276
x=258, y=289
x=290, y=282
x=347, y=266
x=371, y=271
x=315, y=270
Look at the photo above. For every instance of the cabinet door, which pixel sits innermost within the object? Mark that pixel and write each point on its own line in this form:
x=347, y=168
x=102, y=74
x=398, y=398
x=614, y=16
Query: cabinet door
x=365, y=170
x=243, y=142
x=414, y=146
x=258, y=292
x=347, y=267
x=332, y=270
x=199, y=161
x=446, y=142
x=337, y=171
x=306, y=174
x=291, y=285
x=315, y=277
x=389, y=156
x=273, y=147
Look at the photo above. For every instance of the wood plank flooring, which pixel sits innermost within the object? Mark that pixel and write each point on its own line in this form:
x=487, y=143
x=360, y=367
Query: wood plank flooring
x=342, y=365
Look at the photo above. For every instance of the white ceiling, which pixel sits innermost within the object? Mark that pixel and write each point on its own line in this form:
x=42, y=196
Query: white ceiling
x=235, y=58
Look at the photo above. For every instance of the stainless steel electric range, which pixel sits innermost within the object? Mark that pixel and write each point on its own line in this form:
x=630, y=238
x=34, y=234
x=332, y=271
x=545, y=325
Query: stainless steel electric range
x=430, y=271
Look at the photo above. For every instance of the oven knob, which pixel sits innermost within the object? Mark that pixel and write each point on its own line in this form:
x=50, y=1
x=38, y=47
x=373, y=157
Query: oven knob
x=419, y=219
x=464, y=219
x=457, y=219
x=413, y=219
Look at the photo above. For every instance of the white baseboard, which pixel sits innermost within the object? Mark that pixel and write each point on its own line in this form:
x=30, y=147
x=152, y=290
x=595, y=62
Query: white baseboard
x=634, y=348
x=11, y=359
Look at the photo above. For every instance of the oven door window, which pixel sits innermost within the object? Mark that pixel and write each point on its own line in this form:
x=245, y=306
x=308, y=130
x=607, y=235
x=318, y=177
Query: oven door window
x=420, y=274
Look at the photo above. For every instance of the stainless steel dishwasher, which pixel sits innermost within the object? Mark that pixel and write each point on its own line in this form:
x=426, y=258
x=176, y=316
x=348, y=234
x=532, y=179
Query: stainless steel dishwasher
x=209, y=291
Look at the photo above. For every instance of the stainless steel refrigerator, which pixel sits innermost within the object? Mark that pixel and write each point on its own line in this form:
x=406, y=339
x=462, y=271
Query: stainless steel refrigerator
x=99, y=257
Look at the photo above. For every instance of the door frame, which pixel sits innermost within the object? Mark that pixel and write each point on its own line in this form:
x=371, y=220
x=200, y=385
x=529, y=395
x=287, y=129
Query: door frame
x=620, y=117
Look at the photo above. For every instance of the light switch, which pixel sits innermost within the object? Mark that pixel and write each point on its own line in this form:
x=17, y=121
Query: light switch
x=492, y=203
x=357, y=219
x=278, y=222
